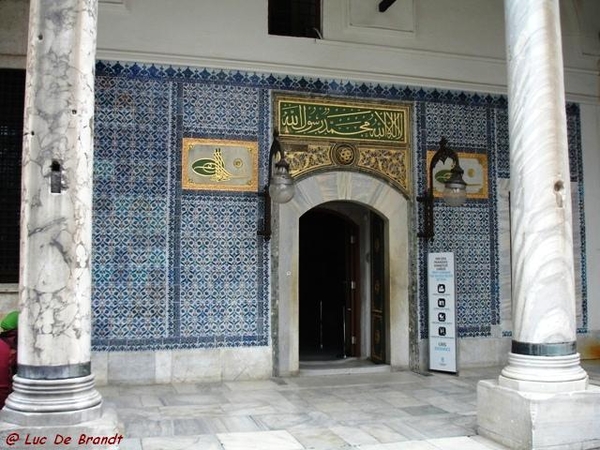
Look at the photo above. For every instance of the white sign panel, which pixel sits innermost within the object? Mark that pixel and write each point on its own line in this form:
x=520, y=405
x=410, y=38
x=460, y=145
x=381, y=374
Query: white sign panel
x=442, y=312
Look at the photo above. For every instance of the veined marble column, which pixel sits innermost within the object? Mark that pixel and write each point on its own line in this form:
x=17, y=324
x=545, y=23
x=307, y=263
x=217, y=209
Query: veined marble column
x=54, y=383
x=544, y=356
x=542, y=399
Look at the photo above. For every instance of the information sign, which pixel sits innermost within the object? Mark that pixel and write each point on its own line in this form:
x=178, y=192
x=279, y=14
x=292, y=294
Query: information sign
x=442, y=312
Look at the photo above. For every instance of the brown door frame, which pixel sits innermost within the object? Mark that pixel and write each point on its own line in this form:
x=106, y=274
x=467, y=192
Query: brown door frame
x=379, y=296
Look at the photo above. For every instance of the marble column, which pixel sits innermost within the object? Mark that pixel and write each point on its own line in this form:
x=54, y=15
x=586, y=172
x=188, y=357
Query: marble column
x=544, y=355
x=54, y=383
x=542, y=398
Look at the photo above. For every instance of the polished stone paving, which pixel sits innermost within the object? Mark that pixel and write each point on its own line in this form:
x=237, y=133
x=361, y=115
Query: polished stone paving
x=359, y=411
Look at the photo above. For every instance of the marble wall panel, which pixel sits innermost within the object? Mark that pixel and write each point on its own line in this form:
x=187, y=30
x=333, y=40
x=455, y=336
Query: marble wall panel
x=182, y=366
x=252, y=363
x=188, y=366
x=138, y=367
x=489, y=352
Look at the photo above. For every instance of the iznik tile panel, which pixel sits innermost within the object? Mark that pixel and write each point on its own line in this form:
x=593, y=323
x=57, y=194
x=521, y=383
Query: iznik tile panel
x=220, y=280
x=180, y=269
x=172, y=269
x=130, y=207
x=212, y=110
x=465, y=126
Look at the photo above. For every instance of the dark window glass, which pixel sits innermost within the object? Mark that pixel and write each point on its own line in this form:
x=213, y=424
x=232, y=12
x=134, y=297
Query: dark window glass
x=12, y=99
x=301, y=18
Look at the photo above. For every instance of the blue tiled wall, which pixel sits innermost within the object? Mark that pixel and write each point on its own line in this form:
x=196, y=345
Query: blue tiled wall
x=186, y=269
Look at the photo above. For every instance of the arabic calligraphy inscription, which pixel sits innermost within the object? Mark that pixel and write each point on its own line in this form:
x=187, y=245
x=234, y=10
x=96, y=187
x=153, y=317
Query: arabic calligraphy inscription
x=329, y=119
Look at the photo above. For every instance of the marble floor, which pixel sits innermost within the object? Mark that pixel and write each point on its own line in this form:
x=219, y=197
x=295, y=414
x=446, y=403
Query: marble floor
x=351, y=410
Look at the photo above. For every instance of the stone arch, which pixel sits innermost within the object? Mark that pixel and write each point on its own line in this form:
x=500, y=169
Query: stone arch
x=313, y=191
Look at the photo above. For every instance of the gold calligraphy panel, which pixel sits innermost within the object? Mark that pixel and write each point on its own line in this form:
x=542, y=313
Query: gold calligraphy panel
x=322, y=118
x=216, y=164
x=326, y=133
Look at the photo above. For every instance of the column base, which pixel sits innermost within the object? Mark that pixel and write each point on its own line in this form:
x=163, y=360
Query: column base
x=544, y=373
x=534, y=420
x=101, y=433
x=67, y=401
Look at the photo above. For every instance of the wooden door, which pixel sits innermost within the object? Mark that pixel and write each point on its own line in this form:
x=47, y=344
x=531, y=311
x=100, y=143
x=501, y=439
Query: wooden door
x=352, y=287
x=378, y=291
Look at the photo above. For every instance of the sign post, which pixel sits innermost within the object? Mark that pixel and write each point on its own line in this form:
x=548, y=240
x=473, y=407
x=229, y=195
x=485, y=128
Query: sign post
x=442, y=312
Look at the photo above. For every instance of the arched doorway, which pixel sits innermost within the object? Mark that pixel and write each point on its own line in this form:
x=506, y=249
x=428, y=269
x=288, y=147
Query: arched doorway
x=373, y=194
x=343, y=299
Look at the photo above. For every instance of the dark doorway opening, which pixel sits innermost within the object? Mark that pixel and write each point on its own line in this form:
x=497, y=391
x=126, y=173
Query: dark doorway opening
x=329, y=307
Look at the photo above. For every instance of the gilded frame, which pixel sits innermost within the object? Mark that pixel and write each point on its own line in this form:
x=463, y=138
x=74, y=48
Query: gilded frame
x=475, y=166
x=382, y=123
x=219, y=165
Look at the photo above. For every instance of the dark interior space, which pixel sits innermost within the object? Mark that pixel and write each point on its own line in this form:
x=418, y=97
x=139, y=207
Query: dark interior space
x=323, y=284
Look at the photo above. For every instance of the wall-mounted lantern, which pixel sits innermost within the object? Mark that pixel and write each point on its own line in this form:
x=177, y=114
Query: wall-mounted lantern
x=280, y=186
x=455, y=190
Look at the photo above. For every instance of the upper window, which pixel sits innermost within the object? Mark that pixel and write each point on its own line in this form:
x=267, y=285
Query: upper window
x=300, y=18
